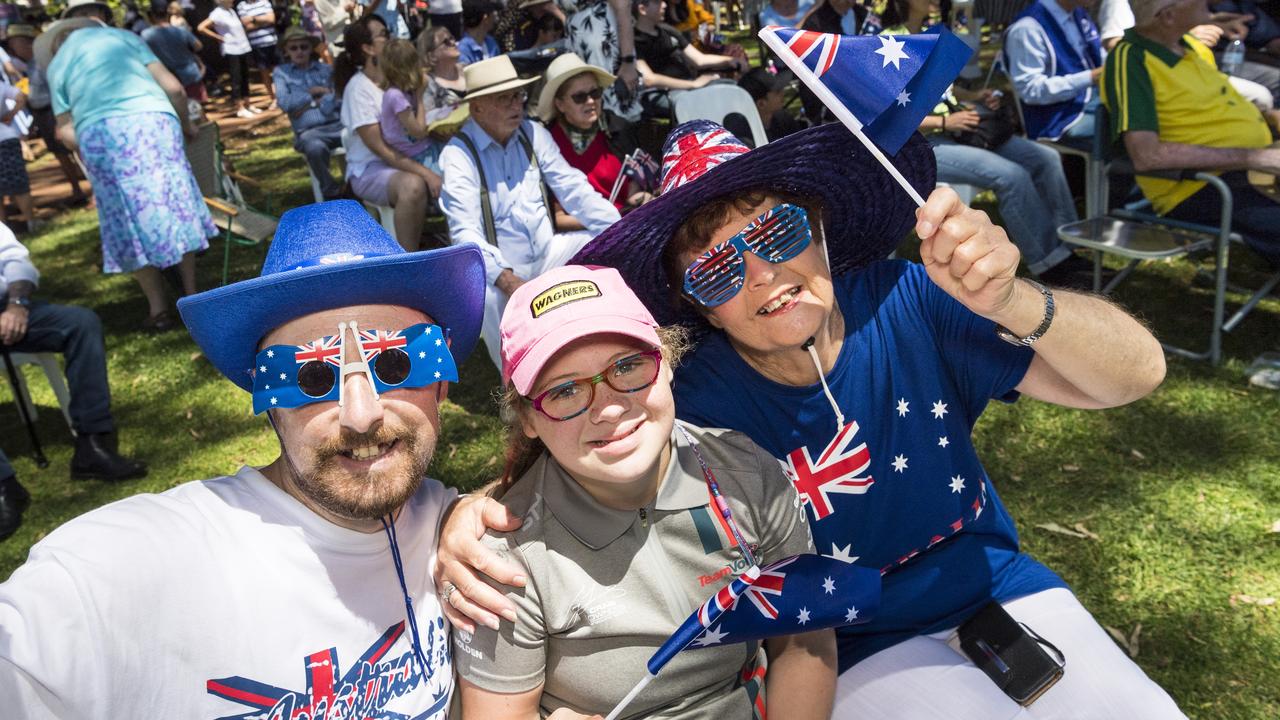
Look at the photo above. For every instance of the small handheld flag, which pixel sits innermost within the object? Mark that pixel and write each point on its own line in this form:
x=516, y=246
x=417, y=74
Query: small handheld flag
x=799, y=594
x=879, y=86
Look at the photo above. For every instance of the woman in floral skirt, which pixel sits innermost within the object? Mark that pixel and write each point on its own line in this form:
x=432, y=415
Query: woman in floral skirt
x=126, y=114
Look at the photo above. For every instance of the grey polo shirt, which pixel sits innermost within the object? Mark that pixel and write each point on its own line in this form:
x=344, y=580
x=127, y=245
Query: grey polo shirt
x=606, y=587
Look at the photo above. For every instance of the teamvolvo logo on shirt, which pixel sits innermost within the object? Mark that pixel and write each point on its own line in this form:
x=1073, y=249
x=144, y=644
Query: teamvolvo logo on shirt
x=562, y=294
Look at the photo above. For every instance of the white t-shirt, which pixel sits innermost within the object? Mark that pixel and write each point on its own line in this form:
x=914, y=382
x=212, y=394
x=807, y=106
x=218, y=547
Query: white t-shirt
x=1114, y=17
x=445, y=7
x=224, y=597
x=9, y=130
x=227, y=24
x=361, y=105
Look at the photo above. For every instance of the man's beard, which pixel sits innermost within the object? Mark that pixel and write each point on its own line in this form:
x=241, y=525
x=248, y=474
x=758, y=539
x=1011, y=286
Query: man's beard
x=376, y=493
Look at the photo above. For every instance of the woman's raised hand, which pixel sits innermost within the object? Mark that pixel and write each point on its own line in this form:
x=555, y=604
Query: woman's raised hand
x=965, y=254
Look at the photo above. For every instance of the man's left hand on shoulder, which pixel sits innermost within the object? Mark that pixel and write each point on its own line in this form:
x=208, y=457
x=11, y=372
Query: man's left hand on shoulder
x=967, y=255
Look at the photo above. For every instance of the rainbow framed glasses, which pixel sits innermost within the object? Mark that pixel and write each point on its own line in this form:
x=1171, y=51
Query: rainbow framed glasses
x=289, y=376
x=571, y=398
x=777, y=236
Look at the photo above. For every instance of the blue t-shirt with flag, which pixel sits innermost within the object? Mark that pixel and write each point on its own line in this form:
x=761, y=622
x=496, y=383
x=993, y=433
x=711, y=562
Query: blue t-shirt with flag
x=899, y=487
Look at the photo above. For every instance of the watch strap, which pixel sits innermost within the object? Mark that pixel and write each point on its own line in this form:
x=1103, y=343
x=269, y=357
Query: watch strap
x=623, y=60
x=1039, y=332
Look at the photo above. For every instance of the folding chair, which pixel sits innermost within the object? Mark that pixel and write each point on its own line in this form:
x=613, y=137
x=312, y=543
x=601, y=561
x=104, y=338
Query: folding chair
x=718, y=101
x=243, y=225
x=1094, y=172
x=1137, y=234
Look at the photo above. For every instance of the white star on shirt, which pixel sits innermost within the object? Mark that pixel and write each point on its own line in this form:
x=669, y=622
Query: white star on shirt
x=439, y=359
x=437, y=374
x=283, y=376
x=273, y=401
x=713, y=636
x=438, y=341
x=943, y=441
x=829, y=585
x=262, y=368
x=899, y=463
x=427, y=331
x=957, y=484
x=851, y=615
x=902, y=407
x=892, y=52
x=422, y=354
x=803, y=617
x=266, y=387
x=271, y=353
x=904, y=97
x=842, y=554
x=939, y=409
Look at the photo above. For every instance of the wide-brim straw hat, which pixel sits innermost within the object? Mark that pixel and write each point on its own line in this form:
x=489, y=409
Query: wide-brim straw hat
x=76, y=4
x=558, y=73
x=492, y=76
x=865, y=213
x=297, y=33
x=43, y=47
x=23, y=30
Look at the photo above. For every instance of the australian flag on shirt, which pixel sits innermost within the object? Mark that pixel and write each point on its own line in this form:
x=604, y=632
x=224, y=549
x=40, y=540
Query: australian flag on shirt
x=899, y=487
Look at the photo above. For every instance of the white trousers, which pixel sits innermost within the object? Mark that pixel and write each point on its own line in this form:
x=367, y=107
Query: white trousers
x=563, y=247
x=923, y=678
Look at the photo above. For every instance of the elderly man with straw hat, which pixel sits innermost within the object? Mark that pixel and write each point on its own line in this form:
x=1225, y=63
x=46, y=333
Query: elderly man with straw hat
x=497, y=170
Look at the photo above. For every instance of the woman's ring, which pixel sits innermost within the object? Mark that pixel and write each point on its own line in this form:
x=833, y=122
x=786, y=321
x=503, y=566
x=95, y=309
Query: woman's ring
x=447, y=593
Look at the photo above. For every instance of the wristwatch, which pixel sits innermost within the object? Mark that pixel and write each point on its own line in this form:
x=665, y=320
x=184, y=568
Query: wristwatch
x=627, y=59
x=1004, y=334
x=22, y=301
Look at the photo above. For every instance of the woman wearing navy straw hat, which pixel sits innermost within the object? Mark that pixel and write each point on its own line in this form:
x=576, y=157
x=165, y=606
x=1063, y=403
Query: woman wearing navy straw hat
x=864, y=377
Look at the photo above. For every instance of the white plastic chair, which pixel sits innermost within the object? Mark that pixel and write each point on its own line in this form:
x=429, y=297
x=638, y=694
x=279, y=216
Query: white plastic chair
x=315, y=183
x=716, y=102
x=49, y=363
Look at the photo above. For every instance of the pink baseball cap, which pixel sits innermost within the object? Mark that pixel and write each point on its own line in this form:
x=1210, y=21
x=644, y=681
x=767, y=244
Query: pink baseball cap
x=560, y=306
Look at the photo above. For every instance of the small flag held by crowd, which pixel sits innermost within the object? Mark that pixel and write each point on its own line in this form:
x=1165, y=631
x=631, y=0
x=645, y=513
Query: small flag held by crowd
x=879, y=86
x=799, y=594
x=640, y=168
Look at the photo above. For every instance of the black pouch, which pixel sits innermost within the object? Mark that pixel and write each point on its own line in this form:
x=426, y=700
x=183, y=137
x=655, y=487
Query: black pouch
x=995, y=127
x=1016, y=659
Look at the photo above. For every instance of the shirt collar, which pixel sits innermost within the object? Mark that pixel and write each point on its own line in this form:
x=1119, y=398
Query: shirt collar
x=1169, y=57
x=596, y=525
x=1062, y=16
x=482, y=138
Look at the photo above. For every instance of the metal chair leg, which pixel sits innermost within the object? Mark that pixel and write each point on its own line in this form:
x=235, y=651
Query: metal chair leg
x=41, y=460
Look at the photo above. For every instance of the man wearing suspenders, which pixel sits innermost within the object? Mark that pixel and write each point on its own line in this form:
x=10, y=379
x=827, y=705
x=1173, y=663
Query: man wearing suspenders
x=502, y=173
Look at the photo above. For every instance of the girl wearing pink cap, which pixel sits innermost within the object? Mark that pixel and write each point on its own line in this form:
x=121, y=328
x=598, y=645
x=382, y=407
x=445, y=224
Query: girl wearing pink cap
x=620, y=539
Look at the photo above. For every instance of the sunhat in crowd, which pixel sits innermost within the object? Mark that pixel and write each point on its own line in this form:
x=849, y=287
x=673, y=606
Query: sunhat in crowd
x=297, y=33
x=492, y=76
x=43, y=47
x=23, y=30
x=332, y=255
x=558, y=72
x=563, y=305
x=865, y=212
x=77, y=4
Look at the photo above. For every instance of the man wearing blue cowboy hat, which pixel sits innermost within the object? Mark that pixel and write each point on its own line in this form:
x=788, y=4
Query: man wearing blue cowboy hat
x=300, y=588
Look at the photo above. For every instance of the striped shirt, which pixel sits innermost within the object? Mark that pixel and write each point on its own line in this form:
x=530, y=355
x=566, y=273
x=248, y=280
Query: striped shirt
x=258, y=37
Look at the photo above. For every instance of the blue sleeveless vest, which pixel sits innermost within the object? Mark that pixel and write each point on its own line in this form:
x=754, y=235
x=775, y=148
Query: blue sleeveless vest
x=1050, y=121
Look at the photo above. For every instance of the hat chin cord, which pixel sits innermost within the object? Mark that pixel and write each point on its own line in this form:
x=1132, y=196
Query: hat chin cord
x=813, y=354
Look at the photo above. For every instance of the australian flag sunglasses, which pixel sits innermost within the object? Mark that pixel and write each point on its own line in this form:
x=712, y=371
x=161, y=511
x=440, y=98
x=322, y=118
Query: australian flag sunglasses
x=288, y=376
x=777, y=236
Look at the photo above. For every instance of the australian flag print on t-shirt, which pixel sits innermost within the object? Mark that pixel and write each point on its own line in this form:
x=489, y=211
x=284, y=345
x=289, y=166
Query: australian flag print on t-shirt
x=898, y=486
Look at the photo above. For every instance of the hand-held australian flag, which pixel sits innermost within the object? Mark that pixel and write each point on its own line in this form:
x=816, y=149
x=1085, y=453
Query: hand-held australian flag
x=799, y=594
x=879, y=86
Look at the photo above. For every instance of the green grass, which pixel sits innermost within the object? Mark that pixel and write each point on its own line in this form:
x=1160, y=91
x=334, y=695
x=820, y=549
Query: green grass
x=1180, y=488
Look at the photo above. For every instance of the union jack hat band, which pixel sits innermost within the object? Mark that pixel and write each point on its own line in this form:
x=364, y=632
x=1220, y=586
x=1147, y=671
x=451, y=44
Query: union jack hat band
x=865, y=214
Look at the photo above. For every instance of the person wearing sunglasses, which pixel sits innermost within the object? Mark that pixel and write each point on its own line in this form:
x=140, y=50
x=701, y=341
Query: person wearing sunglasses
x=621, y=537
x=306, y=582
x=818, y=348
x=505, y=179
x=571, y=104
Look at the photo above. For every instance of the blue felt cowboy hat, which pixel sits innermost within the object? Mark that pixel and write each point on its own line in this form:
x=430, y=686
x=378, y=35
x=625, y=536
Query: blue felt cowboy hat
x=331, y=255
x=865, y=213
